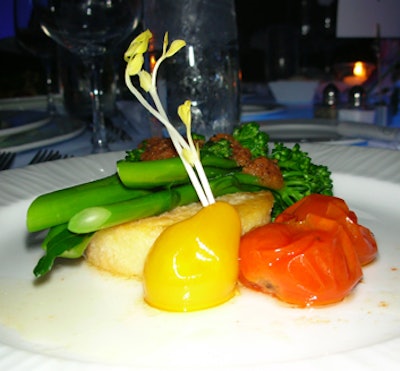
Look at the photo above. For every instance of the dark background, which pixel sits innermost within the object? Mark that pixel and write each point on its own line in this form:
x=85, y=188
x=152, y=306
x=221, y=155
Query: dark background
x=313, y=24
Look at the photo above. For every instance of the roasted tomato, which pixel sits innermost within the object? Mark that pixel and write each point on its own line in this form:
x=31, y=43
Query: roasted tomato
x=311, y=254
x=302, y=263
x=335, y=208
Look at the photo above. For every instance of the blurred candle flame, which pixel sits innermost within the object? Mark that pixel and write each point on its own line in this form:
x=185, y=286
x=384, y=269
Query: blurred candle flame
x=359, y=69
x=359, y=74
x=153, y=62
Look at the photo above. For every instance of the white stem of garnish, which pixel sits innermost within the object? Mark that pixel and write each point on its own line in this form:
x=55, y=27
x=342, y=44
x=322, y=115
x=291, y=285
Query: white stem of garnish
x=186, y=149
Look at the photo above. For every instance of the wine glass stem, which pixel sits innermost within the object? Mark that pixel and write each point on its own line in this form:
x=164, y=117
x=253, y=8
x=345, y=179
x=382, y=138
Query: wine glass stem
x=51, y=106
x=99, y=133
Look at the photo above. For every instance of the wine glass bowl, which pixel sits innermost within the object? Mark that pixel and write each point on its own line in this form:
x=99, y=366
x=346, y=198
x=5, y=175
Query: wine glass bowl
x=90, y=29
x=28, y=32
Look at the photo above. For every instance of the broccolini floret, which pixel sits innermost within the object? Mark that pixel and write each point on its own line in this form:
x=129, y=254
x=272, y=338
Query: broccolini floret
x=221, y=148
x=134, y=155
x=301, y=176
x=251, y=137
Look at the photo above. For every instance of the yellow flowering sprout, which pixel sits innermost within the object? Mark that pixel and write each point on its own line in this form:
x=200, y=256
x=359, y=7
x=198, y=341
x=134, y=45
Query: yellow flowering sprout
x=185, y=148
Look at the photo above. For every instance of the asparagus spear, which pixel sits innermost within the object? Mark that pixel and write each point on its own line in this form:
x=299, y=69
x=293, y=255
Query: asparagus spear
x=58, y=207
x=151, y=174
x=99, y=217
x=61, y=242
x=95, y=218
x=58, y=233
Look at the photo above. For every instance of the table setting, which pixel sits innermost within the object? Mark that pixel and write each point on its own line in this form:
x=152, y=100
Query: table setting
x=73, y=138
x=80, y=318
x=281, y=120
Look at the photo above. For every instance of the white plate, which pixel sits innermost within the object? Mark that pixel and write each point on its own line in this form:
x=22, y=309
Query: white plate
x=24, y=113
x=13, y=122
x=55, y=131
x=306, y=130
x=81, y=319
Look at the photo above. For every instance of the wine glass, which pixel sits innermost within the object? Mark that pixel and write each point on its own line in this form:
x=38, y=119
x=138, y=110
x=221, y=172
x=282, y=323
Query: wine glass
x=31, y=39
x=90, y=29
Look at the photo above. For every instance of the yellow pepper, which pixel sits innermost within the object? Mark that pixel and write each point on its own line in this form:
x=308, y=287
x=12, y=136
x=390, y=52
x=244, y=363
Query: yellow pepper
x=193, y=264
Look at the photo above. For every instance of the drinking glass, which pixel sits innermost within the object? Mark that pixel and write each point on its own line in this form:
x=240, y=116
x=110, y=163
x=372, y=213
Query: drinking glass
x=206, y=71
x=90, y=29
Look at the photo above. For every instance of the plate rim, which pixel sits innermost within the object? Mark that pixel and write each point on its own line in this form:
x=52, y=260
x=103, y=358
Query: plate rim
x=76, y=127
x=322, y=125
x=26, y=127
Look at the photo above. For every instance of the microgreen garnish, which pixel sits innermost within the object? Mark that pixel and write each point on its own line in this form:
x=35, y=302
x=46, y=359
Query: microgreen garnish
x=185, y=148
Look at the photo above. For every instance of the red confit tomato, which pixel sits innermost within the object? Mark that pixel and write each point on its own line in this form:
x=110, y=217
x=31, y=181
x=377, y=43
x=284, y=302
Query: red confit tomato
x=304, y=258
x=334, y=208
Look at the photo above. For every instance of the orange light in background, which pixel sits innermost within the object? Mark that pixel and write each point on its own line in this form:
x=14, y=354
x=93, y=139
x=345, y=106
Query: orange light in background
x=359, y=69
x=152, y=62
x=359, y=74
